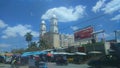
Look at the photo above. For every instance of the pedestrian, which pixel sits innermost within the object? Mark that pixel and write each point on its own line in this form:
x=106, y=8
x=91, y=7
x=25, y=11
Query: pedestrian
x=14, y=63
x=31, y=62
x=37, y=62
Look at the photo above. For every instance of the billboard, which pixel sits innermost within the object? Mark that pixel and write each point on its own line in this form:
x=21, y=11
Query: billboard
x=83, y=33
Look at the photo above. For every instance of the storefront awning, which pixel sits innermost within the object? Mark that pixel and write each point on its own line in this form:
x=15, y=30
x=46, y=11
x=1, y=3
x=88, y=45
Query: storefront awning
x=94, y=52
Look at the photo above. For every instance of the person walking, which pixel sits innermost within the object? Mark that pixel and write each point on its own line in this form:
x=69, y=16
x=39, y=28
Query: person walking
x=14, y=63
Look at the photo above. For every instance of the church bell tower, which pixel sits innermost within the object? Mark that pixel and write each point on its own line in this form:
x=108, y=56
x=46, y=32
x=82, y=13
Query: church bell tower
x=54, y=25
x=43, y=28
x=54, y=34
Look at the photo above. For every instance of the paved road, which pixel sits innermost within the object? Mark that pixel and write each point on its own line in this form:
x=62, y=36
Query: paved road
x=51, y=65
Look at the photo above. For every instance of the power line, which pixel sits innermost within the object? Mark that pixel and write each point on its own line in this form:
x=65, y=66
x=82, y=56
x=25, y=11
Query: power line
x=87, y=20
x=84, y=21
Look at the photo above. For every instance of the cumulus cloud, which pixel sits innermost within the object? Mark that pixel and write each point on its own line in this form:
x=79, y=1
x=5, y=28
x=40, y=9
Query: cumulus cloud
x=19, y=30
x=112, y=6
x=4, y=45
x=66, y=14
x=2, y=24
x=98, y=6
x=117, y=17
x=74, y=27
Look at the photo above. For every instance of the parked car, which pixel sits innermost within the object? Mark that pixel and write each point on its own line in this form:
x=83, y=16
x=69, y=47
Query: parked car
x=105, y=61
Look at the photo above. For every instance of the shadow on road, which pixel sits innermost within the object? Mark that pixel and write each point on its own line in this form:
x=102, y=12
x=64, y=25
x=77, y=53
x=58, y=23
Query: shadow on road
x=90, y=67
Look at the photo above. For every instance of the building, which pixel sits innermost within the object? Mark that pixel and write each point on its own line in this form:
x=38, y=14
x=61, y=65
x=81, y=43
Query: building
x=43, y=28
x=66, y=40
x=51, y=37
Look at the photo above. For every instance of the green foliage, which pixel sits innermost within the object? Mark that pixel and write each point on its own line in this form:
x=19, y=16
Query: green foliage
x=28, y=37
x=32, y=47
x=43, y=44
x=20, y=51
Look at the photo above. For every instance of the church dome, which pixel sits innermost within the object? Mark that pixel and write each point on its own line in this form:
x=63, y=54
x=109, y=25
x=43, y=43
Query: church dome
x=43, y=22
x=54, y=16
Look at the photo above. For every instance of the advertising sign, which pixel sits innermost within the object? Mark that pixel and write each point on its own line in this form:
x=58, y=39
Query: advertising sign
x=84, y=33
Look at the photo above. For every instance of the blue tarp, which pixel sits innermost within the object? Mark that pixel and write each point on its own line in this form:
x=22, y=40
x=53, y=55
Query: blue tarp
x=33, y=53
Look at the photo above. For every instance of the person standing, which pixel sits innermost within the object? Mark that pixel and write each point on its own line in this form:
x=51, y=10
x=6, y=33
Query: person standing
x=31, y=62
x=37, y=62
x=14, y=63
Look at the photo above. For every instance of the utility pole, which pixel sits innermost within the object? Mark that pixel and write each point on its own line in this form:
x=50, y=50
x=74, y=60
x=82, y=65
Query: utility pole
x=116, y=34
x=98, y=32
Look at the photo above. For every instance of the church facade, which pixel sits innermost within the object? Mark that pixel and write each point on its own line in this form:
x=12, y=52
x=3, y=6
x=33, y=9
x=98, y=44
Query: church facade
x=51, y=37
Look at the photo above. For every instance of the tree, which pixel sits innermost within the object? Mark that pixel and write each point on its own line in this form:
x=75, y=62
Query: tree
x=43, y=44
x=28, y=37
x=32, y=47
x=19, y=51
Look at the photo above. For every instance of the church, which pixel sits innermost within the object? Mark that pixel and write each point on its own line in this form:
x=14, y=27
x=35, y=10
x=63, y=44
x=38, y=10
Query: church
x=51, y=37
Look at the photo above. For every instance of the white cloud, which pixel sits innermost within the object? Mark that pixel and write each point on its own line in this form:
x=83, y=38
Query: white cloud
x=19, y=30
x=98, y=6
x=112, y=6
x=4, y=45
x=116, y=17
x=2, y=24
x=105, y=35
x=74, y=27
x=66, y=14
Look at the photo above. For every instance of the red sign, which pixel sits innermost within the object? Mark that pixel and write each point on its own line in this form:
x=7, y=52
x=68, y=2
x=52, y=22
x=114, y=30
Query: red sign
x=83, y=33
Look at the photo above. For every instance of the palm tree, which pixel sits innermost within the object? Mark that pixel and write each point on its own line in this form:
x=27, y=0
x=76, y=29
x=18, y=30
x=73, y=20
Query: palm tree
x=28, y=37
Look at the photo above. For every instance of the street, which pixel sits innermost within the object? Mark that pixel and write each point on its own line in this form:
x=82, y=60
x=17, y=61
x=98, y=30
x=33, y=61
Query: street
x=51, y=65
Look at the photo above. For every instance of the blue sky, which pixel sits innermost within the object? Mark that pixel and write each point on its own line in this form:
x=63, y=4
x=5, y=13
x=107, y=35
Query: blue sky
x=20, y=16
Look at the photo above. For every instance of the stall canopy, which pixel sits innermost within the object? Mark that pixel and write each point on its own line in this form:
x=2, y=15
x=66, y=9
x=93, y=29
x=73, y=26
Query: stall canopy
x=62, y=53
x=66, y=53
x=9, y=54
x=34, y=53
x=95, y=52
x=80, y=53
